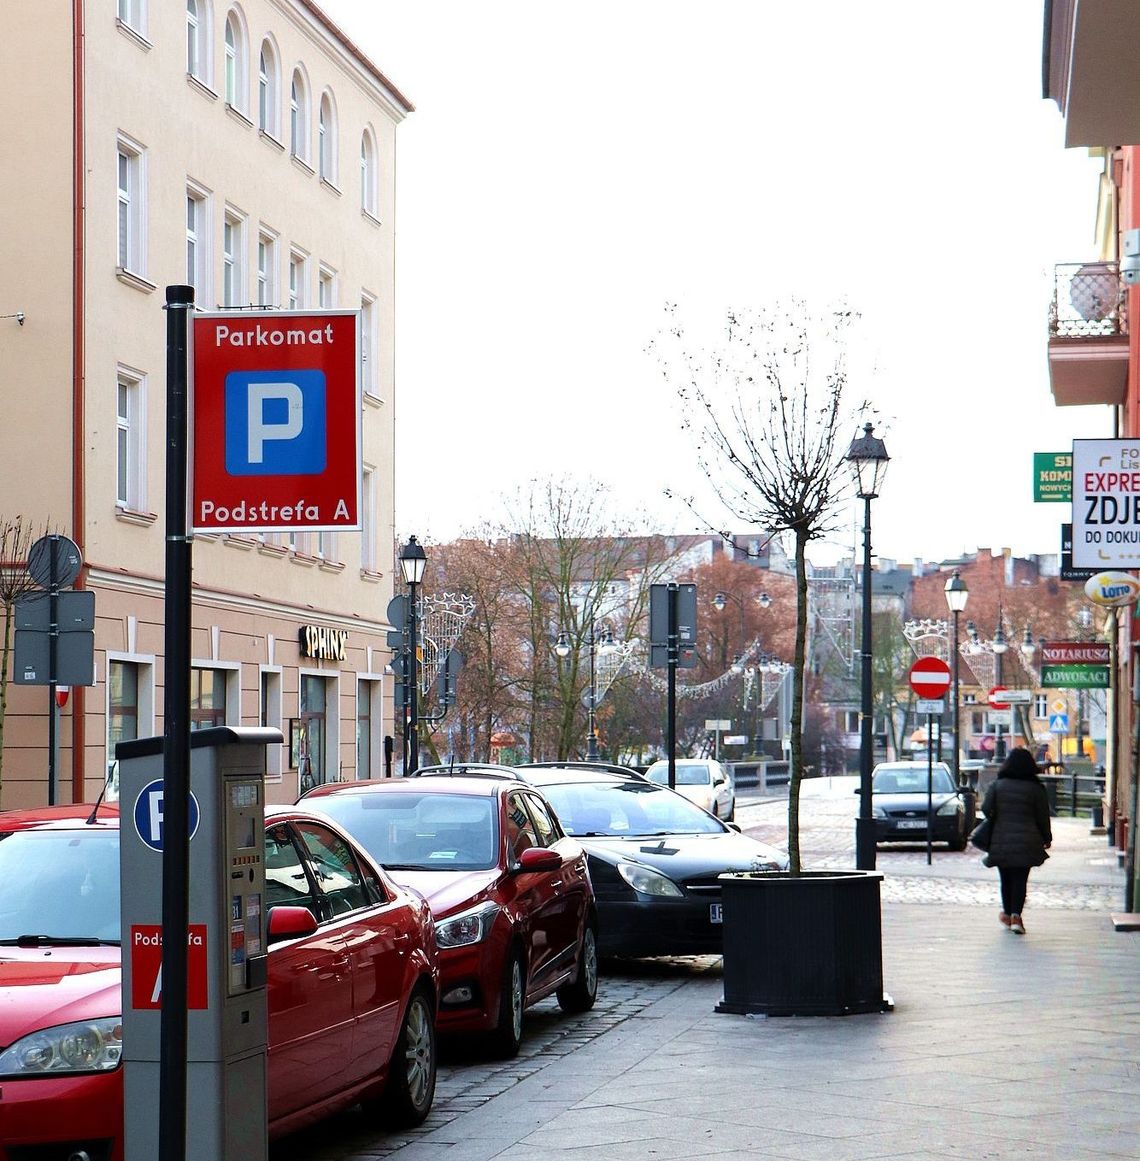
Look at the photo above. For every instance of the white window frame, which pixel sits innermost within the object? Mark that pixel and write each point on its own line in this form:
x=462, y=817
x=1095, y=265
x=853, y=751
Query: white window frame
x=327, y=139
x=368, y=553
x=298, y=280
x=198, y=235
x=326, y=287
x=233, y=259
x=130, y=440
x=232, y=671
x=369, y=342
x=237, y=62
x=132, y=216
x=199, y=38
x=372, y=687
x=133, y=14
x=268, y=291
x=369, y=166
x=269, y=686
x=326, y=546
x=269, y=90
x=300, y=116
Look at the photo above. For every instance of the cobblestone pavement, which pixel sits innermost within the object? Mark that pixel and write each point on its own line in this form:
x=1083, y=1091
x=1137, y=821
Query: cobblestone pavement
x=1082, y=875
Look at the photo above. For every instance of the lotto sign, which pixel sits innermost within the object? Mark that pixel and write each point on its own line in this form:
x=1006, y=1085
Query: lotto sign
x=275, y=427
x=146, y=966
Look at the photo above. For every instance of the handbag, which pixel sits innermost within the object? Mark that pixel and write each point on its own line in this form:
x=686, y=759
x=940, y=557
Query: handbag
x=982, y=834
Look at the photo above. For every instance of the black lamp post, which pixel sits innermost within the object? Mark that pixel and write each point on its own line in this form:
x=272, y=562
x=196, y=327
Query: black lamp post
x=413, y=561
x=956, y=597
x=562, y=648
x=868, y=459
x=999, y=645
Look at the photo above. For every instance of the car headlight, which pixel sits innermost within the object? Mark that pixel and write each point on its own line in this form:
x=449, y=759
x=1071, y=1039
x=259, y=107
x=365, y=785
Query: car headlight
x=87, y=1046
x=467, y=927
x=950, y=806
x=648, y=882
x=879, y=812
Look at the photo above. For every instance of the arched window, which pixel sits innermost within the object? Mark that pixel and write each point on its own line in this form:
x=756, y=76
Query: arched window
x=327, y=139
x=198, y=40
x=299, y=117
x=237, y=56
x=268, y=90
x=368, y=186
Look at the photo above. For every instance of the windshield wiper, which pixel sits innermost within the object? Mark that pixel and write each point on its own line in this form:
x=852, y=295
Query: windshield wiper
x=58, y=941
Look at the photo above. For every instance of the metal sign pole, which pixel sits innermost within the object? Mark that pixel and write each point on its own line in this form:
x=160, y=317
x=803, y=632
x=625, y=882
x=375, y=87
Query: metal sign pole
x=53, y=668
x=176, y=740
x=671, y=700
x=929, y=792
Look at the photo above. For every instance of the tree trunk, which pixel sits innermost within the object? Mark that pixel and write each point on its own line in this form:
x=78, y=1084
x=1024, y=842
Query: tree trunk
x=798, y=666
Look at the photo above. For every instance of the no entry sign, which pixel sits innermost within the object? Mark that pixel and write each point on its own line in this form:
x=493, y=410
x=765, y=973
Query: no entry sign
x=930, y=677
x=275, y=427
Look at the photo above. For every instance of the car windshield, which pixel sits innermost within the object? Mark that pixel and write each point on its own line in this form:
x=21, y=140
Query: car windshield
x=688, y=774
x=626, y=808
x=60, y=885
x=912, y=780
x=419, y=832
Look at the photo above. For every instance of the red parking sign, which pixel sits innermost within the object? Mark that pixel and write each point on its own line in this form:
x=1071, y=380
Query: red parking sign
x=275, y=421
x=146, y=966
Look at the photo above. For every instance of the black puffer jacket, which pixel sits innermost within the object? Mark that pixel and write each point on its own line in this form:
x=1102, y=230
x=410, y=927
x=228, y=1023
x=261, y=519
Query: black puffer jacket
x=1021, y=832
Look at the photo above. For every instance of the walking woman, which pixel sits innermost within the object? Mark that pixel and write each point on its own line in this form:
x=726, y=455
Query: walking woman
x=1019, y=807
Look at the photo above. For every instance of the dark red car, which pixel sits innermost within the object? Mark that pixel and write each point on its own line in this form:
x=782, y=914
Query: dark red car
x=61, y=1034
x=509, y=890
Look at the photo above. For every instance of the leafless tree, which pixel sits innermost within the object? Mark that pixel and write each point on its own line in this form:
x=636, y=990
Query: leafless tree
x=768, y=415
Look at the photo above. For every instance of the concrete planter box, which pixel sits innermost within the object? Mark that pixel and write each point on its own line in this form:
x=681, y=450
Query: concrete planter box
x=803, y=945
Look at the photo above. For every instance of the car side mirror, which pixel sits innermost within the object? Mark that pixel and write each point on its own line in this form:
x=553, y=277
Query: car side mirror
x=734, y=826
x=538, y=859
x=287, y=922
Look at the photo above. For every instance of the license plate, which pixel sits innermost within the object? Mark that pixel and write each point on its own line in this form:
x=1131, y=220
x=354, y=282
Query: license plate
x=911, y=824
x=716, y=914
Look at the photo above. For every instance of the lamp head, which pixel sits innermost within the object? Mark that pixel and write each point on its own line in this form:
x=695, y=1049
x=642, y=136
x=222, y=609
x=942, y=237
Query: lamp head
x=956, y=593
x=764, y=600
x=413, y=561
x=562, y=646
x=868, y=459
x=719, y=601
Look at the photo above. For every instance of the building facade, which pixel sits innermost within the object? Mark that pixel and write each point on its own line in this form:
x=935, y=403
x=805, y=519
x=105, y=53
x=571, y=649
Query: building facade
x=247, y=150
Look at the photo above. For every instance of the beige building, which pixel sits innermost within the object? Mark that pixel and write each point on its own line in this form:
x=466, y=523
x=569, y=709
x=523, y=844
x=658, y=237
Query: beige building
x=248, y=150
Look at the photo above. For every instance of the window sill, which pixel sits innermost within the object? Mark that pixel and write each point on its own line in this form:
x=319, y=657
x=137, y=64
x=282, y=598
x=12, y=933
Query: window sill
x=302, y=559
x=372, y=577
x=271, y=549
x=238, y=115
x=369, y=216
x=133, y=35
x=302, y=164
x=239, y=540
x=269, y=139
x=133, y=516
x=136, y=280
x=200, y=86
x=332, y=566
x=333, y=189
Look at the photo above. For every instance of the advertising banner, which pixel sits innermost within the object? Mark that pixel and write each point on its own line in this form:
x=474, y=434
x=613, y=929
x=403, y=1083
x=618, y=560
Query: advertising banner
x=1052, y=477
x=1106, y=503
x=275, y=421
x=1074, y=665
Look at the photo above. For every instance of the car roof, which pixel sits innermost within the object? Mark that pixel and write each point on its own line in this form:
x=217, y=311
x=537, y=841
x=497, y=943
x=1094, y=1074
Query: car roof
x=917, y=764
x=457, y=784
x=556, y=773
x=571, y=764
x=65, y=816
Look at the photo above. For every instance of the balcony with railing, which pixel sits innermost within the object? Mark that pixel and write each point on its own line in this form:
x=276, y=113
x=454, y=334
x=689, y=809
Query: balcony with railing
x=1088, y=334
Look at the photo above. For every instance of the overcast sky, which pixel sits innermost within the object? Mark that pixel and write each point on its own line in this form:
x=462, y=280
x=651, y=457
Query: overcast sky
x=572, y=167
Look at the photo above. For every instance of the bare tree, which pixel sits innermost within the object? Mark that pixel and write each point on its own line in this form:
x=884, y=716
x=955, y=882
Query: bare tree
x=16, y=538
x=768, y=415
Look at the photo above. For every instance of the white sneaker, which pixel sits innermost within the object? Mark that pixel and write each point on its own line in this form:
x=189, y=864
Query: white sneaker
x=1015, y=925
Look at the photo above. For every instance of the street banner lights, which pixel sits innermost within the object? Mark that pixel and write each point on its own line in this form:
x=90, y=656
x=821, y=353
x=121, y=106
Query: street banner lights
x=956, y=597
x=413, y=561
x=868, y=459
x=562, y=649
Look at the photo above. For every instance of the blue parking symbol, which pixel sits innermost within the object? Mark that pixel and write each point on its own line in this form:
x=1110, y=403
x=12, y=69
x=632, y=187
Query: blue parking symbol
x=276, y=423
x=149, y=811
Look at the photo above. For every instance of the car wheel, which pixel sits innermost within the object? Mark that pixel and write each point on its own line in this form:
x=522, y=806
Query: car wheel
x=410, y=1090
x=507, y=1036
x=958, y=842
x=731, y=815
x=581, y=994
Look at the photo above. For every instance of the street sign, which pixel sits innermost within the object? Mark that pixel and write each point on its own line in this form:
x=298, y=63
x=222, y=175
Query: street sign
x=718, y=724
x=1017, y=696
x=276, y=426
x=1000, y=717
x=1058, y=723
x=930, y=677
x=996, y=698
x=75, y=610
x=929, y=706
x=1075, y=653
x=659, y=626
x=1058, y=706
x=74, y=658
x=54, y=554
x=1106, y=503
x=1074, y=677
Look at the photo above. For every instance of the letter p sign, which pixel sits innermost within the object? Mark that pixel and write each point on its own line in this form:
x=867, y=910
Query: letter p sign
x=275, y=423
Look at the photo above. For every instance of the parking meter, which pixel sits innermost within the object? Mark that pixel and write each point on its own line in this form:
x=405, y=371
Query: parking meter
x=227, y=1018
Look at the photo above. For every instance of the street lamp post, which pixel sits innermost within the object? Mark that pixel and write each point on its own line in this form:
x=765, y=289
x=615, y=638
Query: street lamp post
x=562, y=648
x=868, y=459
x=413, y=561
x=1000, y=645
x=956, y=597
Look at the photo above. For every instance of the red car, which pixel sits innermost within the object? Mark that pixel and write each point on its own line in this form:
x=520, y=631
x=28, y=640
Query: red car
x=509, y=890
x=61, y=1035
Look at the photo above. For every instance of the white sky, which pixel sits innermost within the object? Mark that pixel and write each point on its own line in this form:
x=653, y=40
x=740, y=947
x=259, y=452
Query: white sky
x=572, y=167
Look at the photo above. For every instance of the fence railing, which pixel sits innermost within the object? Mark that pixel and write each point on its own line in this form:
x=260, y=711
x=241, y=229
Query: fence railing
x=1089, y=301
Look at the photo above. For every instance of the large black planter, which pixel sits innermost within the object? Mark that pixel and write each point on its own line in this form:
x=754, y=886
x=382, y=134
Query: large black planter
x=803, y=945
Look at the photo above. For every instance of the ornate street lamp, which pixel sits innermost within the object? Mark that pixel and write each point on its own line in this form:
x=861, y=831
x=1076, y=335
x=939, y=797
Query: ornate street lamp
x=999, y=645
x=868, y=459
x=563, y=649
x=956, y=597
x=413, y=561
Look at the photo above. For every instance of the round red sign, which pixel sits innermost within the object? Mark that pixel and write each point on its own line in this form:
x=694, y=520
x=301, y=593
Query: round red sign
x=995, y=698
x=930, y=677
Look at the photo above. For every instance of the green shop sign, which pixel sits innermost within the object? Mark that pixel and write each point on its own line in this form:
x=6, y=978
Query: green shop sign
x=1053, y=477
x=1074, y=677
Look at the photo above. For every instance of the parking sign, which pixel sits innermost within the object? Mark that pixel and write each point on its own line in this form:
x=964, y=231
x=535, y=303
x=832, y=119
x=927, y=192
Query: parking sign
x=275, y=427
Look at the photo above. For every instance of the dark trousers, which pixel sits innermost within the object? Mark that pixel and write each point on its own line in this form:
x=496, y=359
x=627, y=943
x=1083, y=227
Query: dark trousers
x=1014, y=881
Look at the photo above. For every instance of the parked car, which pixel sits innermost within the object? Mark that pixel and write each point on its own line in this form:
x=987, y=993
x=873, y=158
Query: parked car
x=654, y=858
x=701, y=780
x=509, y=890
x=61, y=1032
x=899, y=804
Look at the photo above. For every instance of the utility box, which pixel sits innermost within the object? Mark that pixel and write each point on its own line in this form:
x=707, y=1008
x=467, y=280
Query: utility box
x=227, y=1016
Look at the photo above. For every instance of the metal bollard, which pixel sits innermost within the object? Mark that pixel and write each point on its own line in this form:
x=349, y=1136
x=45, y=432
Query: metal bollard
x=1073, y=798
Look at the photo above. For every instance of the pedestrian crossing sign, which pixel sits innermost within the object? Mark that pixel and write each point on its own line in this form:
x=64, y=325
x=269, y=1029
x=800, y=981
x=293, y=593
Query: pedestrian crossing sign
x=1058, y=723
